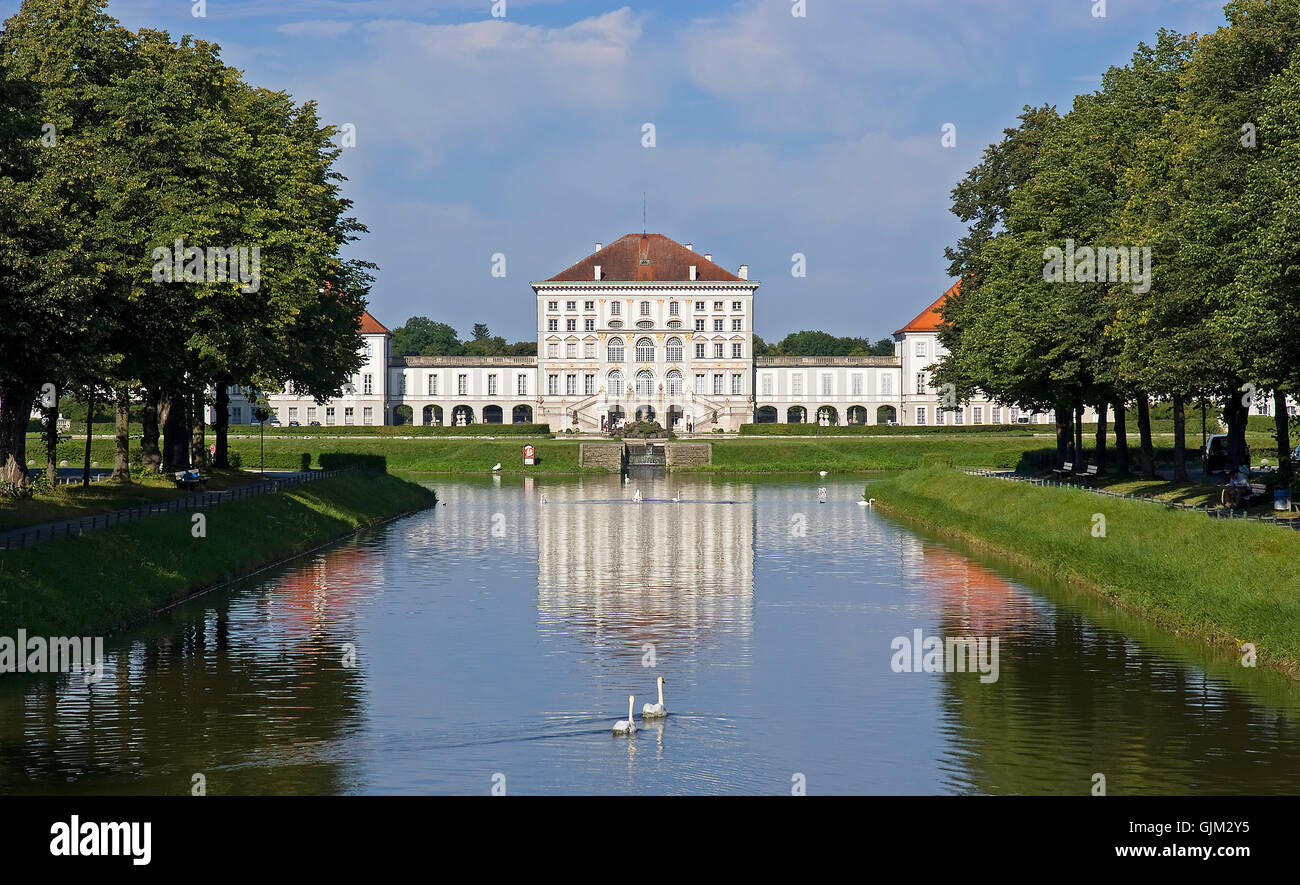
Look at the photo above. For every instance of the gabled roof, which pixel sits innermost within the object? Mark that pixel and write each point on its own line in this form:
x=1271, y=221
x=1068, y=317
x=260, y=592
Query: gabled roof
x=372, y=326
x=929, y=319
x=644, y=258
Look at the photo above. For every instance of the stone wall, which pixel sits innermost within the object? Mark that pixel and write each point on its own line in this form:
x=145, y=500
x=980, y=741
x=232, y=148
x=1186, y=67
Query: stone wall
x=688, y=454
x=607, y=455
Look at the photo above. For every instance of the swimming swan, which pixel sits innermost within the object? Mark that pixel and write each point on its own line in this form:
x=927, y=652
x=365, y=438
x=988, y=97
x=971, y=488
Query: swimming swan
x=496, y=467
x=626, y=726
x=822, y=473
x=653, y=711
x=637, y=496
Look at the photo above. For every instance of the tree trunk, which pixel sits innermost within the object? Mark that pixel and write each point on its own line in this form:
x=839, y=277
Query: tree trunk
x=1235, y=415
x=176, y=432
x=198, y=432
x=1121, y=437
x=1282, y=423
x=90, y=427
x=1146, y=447
x=221, y=422
x=1078, y=436
x=1100, y=457
x=150, y=455
x=122, y=442
x=50, y=434
x=1063, y=436
x=1180, y=438
x=16, y=400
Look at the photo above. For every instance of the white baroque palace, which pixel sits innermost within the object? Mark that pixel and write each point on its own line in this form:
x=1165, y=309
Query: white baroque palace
x=645, y=327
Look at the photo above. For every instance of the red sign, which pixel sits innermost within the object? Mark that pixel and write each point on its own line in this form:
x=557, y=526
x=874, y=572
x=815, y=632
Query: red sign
x=529, y=456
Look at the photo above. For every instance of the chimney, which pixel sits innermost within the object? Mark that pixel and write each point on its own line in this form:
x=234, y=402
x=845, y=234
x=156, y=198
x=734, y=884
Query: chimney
x=743, y=273
x=599, y=246
x=598, y=273
x=690, y=247
x=708, y=257
x=692, y=272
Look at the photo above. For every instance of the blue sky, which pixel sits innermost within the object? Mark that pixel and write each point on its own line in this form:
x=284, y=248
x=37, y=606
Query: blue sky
x=775, y=134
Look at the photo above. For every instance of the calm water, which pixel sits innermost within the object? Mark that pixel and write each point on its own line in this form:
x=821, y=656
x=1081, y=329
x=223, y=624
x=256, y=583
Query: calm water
x=499, y=635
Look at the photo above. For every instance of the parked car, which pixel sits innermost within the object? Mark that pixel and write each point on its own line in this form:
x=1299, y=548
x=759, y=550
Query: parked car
x=315, y=424
x=1215, y=457
x=274, y=422
x=294, y=424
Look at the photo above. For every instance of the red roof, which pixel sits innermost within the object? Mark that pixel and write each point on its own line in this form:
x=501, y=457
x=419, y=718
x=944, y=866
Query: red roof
x=372, y=326
x=644, y=258
x=929, y=319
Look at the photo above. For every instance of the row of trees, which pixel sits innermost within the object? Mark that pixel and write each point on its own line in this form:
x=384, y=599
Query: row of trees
x=813, y=343
x=421, y=336
x=129, y=164
x=1191, y=151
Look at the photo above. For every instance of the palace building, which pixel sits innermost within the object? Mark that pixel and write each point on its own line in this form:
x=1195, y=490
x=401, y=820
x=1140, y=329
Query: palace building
x=643, y=328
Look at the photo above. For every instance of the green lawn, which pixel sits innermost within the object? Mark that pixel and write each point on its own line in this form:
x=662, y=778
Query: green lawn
x=1229, y=581
x=99, y=581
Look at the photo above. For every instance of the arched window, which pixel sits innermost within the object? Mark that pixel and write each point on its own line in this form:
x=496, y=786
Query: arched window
x=615, y=387
x=645, y=351
x=674, y=383
x=645, y=383
x=674, y=350
x=615, y=350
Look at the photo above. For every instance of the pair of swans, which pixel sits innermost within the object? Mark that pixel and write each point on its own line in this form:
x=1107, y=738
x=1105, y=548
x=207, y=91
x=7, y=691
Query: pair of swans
x=649, y=711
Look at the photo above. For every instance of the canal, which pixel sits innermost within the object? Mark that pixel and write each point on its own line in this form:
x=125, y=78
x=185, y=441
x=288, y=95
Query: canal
x=494, y=641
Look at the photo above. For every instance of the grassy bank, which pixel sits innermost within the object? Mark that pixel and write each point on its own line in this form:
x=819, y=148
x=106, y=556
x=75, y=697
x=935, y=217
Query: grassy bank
x=100, y=581
x=1224, y=581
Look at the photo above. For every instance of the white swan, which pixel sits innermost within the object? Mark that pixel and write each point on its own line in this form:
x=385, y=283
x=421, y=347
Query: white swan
x=637, y=496
x=821, y=496
x=653, y=711
x=544, y=500
x=676, y=498
x=497, y=467
x=626, y=726
x=822, y=473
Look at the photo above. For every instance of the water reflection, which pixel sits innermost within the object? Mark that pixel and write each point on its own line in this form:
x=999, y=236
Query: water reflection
x=502, y=635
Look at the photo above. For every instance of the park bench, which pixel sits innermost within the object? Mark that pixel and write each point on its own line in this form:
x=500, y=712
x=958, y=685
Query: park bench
x=1065, y=471
x=190, y=479
x=1090, y=475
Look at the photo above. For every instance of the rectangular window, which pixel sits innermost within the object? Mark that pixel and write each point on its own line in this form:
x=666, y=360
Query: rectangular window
x=717, y=385
x=645, y=308
x=717, y=305
x=311, y=415
x=552, y=325
x=570, y=305
x=737, y=349
x=433, y=385
x=492, y=385
x=552, y=305
x=796, y=385
x=997, y=414
x=735, y=325
x=462, y=385
x=826, y=385
x=588, y=385
x=699, y=350
x=674, y=309
x=570, y=385
x=553, y=385
x=767, y=385
x=236, y=415
x=588, y=325
x=887, y=384
x=293, y=414
x=699, y=305
x=615, y=308
x=699, y=382
x=699, y=325
x=329, y=414
x=368, y=384
x=589, y=350
x=959, y=417
x=938, y=415
x=920, y=414
x=978, y=417
x=736, y=305
x=349, y=415
x=367, y=415
x=571, y=350
x=717, y=325
x=920, y=382
x=523, y=385
x=570, y=325
x=552, y=351
x=717, y=350
x=856, y=384
x=920, y=348
x=588, y=305
x=735, y=384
